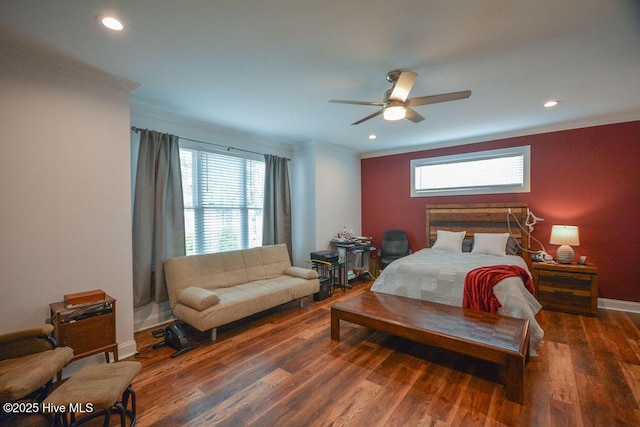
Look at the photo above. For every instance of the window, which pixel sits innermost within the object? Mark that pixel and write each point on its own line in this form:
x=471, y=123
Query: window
x=482, y=172
x=223, y=197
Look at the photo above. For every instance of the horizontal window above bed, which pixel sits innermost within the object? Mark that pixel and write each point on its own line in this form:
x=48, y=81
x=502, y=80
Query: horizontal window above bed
x=483, y=172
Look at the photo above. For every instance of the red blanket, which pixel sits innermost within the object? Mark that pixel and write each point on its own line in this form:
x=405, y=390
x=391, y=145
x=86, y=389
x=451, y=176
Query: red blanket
x=479, y=283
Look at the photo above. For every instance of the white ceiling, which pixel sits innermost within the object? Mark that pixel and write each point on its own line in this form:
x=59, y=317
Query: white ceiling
x=269, y=67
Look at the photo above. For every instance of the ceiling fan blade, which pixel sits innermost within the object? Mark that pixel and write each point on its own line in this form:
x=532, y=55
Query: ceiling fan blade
x=370, y=116
x=403, y=86
x=434, y=99
x=341, y=101
x=413, y=115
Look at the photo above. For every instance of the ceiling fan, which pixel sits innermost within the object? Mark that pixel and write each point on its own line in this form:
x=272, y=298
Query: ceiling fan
x=397, y=105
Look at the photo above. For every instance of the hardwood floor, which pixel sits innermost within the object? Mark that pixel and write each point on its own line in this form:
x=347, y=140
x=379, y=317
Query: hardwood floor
x=283, y=369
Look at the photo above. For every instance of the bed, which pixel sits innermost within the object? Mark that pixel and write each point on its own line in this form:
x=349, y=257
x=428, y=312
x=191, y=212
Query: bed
x=437, y=274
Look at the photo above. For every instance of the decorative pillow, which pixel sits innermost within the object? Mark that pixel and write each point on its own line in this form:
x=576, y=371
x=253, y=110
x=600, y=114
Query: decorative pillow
x=490, y=243
x=467, y=245
x=449, y=240
x=198, y=298
x=304, y=273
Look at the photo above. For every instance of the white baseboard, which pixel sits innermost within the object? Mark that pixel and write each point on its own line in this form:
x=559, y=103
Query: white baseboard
x=127, y=349
x=619, y=305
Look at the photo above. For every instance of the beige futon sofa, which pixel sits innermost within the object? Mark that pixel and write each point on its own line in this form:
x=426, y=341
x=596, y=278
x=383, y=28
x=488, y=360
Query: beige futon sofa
x=207, y=291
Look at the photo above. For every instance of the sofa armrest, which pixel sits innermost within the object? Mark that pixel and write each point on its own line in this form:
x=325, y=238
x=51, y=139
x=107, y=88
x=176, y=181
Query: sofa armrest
x=198, y=298
x=304, y=273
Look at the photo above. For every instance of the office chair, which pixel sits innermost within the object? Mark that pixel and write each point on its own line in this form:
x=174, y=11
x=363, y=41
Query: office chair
x=395, y=244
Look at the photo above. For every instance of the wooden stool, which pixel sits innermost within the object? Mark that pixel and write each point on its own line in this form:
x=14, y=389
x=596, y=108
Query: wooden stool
x=95, y=390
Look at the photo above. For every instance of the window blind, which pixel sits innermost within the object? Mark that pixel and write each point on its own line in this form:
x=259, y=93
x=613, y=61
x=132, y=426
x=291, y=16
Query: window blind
x=223, y=198
x=486, y=172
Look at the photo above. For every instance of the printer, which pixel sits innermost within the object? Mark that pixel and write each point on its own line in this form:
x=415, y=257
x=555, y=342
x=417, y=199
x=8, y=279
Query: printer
x=325, y=257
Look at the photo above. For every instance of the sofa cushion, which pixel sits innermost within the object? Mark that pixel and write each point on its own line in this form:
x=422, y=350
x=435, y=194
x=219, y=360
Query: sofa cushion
x=237, y=302
x=198, y=298
x=304, y=273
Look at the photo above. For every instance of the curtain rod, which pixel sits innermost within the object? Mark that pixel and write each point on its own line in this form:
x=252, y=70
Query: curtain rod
x=228, y=148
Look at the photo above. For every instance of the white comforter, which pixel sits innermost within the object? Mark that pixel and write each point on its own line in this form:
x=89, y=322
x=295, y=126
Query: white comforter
x=438, y=276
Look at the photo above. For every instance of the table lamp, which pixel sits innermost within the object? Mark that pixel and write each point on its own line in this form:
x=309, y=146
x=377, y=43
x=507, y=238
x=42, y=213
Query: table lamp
x=566, y=236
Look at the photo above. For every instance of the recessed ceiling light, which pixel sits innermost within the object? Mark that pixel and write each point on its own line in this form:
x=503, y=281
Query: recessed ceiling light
x=111, y=22
x=372, y=136
x=551, y=103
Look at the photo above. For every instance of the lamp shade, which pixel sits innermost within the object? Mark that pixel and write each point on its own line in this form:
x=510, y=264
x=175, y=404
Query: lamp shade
x=566, y=236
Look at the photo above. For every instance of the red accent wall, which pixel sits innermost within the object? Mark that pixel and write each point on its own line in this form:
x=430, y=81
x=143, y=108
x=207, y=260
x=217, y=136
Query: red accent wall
x=588, y=177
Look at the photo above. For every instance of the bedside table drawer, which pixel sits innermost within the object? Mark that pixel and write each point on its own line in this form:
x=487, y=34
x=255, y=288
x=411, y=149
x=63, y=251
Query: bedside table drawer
x=565, y=299
x=569, y=288
x=565, y=280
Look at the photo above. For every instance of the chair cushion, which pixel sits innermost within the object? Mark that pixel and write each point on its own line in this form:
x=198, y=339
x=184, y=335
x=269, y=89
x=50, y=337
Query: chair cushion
x=23, y=375
x=100, y=385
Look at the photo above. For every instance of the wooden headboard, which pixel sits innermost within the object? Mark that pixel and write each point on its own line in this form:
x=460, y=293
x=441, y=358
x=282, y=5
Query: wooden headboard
x=478, y=218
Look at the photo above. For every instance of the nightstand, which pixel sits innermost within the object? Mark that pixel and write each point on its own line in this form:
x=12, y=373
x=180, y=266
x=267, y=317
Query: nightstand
x=571, y=288
x=86, y=335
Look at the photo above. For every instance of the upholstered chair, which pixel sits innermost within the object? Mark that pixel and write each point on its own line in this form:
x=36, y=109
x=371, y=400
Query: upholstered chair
x=29, y=359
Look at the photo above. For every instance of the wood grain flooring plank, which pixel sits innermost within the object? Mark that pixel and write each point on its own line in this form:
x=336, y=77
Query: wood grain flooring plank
x=503, y=412
x=334, y=387
x=562, y=385
x=395, y=376
x=608, y=369
x=413, y=409
x=241, y=401
x=632, y=375
x=594, y=405
x=474, y=403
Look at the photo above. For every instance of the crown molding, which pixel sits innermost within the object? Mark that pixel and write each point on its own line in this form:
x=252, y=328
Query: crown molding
x=198, y=129
x=55, y=62
x=628, y=116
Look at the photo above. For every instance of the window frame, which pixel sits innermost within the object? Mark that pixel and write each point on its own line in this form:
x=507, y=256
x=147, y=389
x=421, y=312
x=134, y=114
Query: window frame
x=524, y=151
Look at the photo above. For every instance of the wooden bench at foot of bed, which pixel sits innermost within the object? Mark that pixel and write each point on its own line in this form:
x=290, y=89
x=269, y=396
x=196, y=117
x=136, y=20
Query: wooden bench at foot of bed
x=491, y=337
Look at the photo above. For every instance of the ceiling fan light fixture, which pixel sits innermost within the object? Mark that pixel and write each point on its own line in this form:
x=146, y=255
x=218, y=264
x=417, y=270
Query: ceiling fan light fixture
x=111, y=22
x=394, y=112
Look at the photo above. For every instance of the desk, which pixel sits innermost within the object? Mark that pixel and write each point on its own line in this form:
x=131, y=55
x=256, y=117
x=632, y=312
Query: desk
x=359, y=263
x=333, y=271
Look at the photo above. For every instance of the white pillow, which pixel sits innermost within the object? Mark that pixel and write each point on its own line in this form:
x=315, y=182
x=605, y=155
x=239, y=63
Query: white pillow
x=490, y=243
x=449, y=240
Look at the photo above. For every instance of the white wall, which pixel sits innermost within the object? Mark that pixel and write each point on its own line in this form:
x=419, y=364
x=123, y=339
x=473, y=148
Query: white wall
x=326, y=196
x=338, y=201
x=65, y=217
x=303, y=201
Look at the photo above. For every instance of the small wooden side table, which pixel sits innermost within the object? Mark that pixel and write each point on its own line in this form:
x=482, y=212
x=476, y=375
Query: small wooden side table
x=571, y=288
x=93, y=334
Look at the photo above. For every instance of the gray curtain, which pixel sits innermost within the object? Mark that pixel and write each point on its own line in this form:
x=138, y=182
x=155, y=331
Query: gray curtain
x=276, y=216
x=158, y=215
